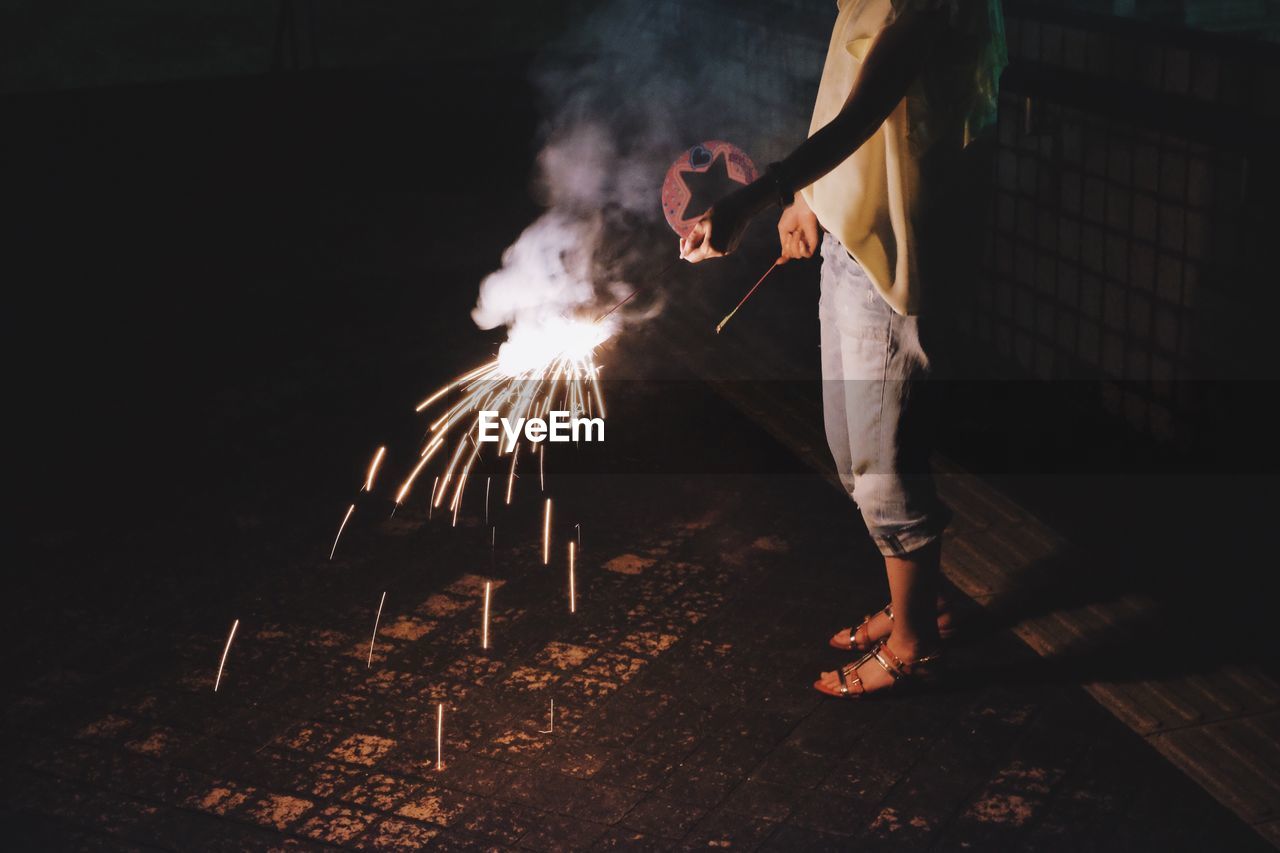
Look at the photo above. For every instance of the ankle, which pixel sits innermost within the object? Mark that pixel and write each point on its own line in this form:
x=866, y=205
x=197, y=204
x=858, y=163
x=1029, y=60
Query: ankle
x=909, y=646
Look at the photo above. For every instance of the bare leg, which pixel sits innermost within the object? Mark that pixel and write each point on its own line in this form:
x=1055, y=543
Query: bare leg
x=913, y=588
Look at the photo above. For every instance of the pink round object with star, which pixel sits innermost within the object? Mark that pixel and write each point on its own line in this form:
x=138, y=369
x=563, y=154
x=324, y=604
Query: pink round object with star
x=698, y=177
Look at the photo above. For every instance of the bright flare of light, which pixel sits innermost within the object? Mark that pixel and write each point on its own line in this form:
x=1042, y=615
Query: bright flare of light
x=573, y=592
x=484, y=628
x=533, y=346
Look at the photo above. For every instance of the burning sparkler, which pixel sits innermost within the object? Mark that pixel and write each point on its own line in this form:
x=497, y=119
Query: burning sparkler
x=376, y=620
x=225, y=649
x=543, y=366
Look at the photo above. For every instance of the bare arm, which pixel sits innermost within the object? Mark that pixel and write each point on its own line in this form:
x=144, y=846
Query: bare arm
x=893, y=62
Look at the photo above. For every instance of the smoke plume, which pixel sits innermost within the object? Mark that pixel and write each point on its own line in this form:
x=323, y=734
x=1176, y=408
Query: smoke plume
x=628, y=90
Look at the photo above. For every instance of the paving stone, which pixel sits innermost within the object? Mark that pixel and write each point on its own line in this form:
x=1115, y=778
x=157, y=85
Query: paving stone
x=662, y=818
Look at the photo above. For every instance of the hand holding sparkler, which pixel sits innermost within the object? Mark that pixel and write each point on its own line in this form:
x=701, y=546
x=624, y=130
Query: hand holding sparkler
x=798, y=231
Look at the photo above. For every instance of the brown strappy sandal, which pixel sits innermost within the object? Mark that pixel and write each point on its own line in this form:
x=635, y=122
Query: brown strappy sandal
x=901, y=672
x=945, y=632
x=866, y=643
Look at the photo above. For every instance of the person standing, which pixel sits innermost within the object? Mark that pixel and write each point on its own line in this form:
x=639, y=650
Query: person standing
x=906, y=86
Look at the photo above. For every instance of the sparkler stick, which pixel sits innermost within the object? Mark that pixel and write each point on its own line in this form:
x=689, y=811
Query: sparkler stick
x=484, y=629
x=376, y=620
x=573, y=595
x=373, y=468
x=546, y=535
x=225, y=649
x=440, y=736
x=632, y=294
x=729, y=317
x=341, y=527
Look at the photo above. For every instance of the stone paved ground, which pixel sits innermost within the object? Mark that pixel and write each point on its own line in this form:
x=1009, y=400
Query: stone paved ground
x=684, y=715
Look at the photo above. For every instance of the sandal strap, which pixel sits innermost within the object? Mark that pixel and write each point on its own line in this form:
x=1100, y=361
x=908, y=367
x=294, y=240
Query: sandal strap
x=865, y=624
x=888, y=661
x=896, y=666
x=848, y=675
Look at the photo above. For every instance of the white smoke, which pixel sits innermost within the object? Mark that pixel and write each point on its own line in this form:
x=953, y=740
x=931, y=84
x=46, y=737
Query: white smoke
x=657, y=80
x=545, y=273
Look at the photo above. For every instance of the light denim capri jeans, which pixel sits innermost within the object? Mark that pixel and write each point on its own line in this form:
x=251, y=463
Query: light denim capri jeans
x=878, y=424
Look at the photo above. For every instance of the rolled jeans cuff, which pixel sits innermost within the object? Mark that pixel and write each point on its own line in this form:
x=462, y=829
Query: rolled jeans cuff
x=901, y=540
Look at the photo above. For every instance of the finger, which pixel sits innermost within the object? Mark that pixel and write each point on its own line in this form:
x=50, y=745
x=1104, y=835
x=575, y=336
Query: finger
x=703, y=252
x=811, y=237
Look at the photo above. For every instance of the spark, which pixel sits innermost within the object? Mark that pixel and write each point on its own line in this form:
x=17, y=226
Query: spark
x=546, y=534
x=511, y=478
x=218, y=680
x=376, y=620
x=484, y=627
x=440, y=736
x=578, y=527
x=373, y=468
x=729, y=317
x=553, y=720
x=436, y=396
x=341, y=527
x=573, y=593
x=542, y=468
x=543, y=366
x=427, y=453
x=431, y=503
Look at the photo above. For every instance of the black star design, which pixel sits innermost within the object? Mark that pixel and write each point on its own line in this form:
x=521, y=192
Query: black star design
x=706, y=188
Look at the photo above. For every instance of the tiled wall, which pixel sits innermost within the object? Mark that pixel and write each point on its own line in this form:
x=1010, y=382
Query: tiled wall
x=1127, y=170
